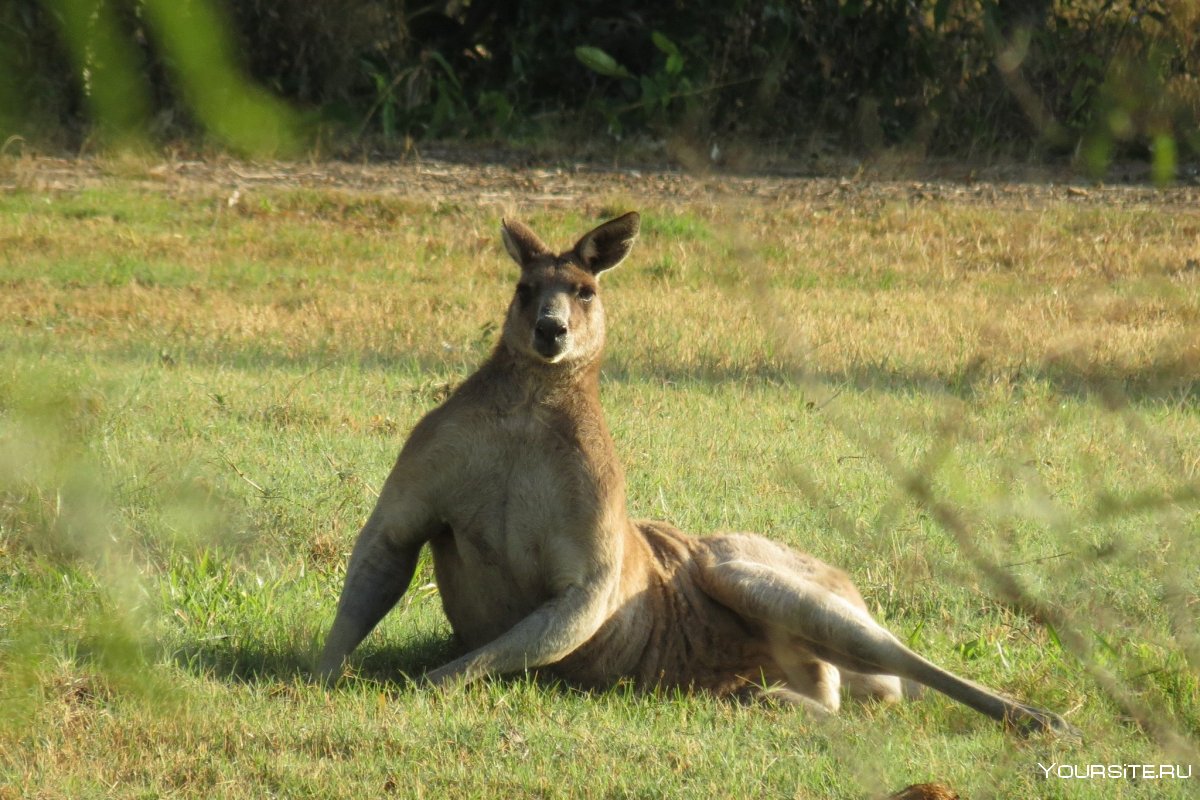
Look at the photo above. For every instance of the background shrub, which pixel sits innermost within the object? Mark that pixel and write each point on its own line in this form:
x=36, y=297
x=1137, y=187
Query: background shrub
x=1102, y=78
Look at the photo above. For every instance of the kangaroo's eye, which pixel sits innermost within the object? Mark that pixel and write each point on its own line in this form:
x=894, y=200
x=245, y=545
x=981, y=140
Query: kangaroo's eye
x=524, y=293
x=585, y=294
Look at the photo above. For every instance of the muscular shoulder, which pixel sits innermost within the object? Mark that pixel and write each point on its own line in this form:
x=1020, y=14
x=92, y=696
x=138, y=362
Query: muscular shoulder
x=471, y=405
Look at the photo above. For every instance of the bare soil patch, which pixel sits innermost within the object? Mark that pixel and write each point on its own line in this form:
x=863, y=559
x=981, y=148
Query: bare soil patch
x=464, y=177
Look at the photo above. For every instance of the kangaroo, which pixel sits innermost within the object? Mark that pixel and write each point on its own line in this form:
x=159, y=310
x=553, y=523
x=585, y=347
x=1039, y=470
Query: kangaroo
x=514, y=484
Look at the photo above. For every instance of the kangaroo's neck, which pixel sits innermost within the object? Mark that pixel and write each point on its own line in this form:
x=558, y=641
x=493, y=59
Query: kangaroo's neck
x=567, y=397
x=572, y=387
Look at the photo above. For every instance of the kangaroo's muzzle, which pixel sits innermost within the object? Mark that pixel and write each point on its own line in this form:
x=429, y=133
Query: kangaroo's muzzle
x=550, y=337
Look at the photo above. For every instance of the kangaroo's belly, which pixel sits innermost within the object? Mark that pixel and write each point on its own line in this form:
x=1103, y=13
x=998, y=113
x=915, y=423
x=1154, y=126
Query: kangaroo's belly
x=670, y=634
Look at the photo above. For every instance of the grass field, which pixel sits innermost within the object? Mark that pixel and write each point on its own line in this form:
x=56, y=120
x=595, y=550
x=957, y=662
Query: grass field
x=987, y=411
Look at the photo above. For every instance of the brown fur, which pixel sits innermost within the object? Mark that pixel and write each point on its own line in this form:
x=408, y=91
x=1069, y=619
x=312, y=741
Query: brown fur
x=514, y=484
x=925, y=791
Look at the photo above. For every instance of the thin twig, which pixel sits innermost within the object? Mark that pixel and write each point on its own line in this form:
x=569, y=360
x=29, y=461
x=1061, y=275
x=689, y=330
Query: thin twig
x=1038, y=560
x=244, y=477
x=1143, y=710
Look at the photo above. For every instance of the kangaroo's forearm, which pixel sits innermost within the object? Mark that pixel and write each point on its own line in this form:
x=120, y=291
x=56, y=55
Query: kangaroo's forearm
x=375, y=580
x=547, y=635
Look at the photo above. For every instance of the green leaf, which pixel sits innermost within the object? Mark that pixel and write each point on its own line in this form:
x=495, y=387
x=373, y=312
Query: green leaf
x=1162, y=168
x=915, y=636
x=446, y=68
x=972, y=650
x=601, y=62
x=664, y=44
x=1053, y=634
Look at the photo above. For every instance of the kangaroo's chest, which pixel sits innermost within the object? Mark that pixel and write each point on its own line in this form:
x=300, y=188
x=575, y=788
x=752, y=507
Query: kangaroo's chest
x=520, y=479
x=523, y=507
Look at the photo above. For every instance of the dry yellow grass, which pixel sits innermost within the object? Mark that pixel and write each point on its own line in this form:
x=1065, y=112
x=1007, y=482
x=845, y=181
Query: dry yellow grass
x=930, y=288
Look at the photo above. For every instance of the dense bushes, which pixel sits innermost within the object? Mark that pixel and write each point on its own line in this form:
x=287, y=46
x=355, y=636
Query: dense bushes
x=1097, y=77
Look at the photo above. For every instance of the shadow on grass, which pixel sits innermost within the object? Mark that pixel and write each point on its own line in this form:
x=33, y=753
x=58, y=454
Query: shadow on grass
x=1176, y=379
x=389, y=668
x=244, y=660
x=1179, y=382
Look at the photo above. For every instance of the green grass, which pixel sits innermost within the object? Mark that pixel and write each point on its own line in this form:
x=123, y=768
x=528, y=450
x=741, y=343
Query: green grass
x=199, y=401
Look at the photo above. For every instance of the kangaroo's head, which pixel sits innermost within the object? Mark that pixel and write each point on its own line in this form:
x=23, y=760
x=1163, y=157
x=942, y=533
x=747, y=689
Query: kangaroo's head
x=555, y=315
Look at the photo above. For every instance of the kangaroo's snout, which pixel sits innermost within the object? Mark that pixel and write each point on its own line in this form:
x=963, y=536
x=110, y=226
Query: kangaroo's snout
x=550, y=336
x=550, y=328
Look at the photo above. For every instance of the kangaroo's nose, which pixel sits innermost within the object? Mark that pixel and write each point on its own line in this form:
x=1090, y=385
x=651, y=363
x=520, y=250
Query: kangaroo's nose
x=549, y=328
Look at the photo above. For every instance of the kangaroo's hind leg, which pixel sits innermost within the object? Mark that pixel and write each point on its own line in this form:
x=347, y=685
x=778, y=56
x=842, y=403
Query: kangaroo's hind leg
x=807, y=675
x=862, y=686
x=797, y=595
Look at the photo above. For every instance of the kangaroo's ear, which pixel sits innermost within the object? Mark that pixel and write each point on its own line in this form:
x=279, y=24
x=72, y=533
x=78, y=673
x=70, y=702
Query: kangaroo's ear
x=606, y=246
x=520, y=242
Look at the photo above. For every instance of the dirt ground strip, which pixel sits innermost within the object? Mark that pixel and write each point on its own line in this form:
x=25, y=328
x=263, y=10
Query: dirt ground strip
x=457, y=178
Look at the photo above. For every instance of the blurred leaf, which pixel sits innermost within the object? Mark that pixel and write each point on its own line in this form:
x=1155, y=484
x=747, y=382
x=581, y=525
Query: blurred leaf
x=197, y=45
x=114, y=88
x=601, y=62
x=973, y=649
x=914, y=637
x=1162, y=168
x=498, y=110
x=441, y=61
x=1053, y=634
x=664, y=44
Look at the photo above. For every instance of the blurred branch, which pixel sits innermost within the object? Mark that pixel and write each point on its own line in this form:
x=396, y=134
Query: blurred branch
x=1143, y=710
x=114, y=88
x=241, y=114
